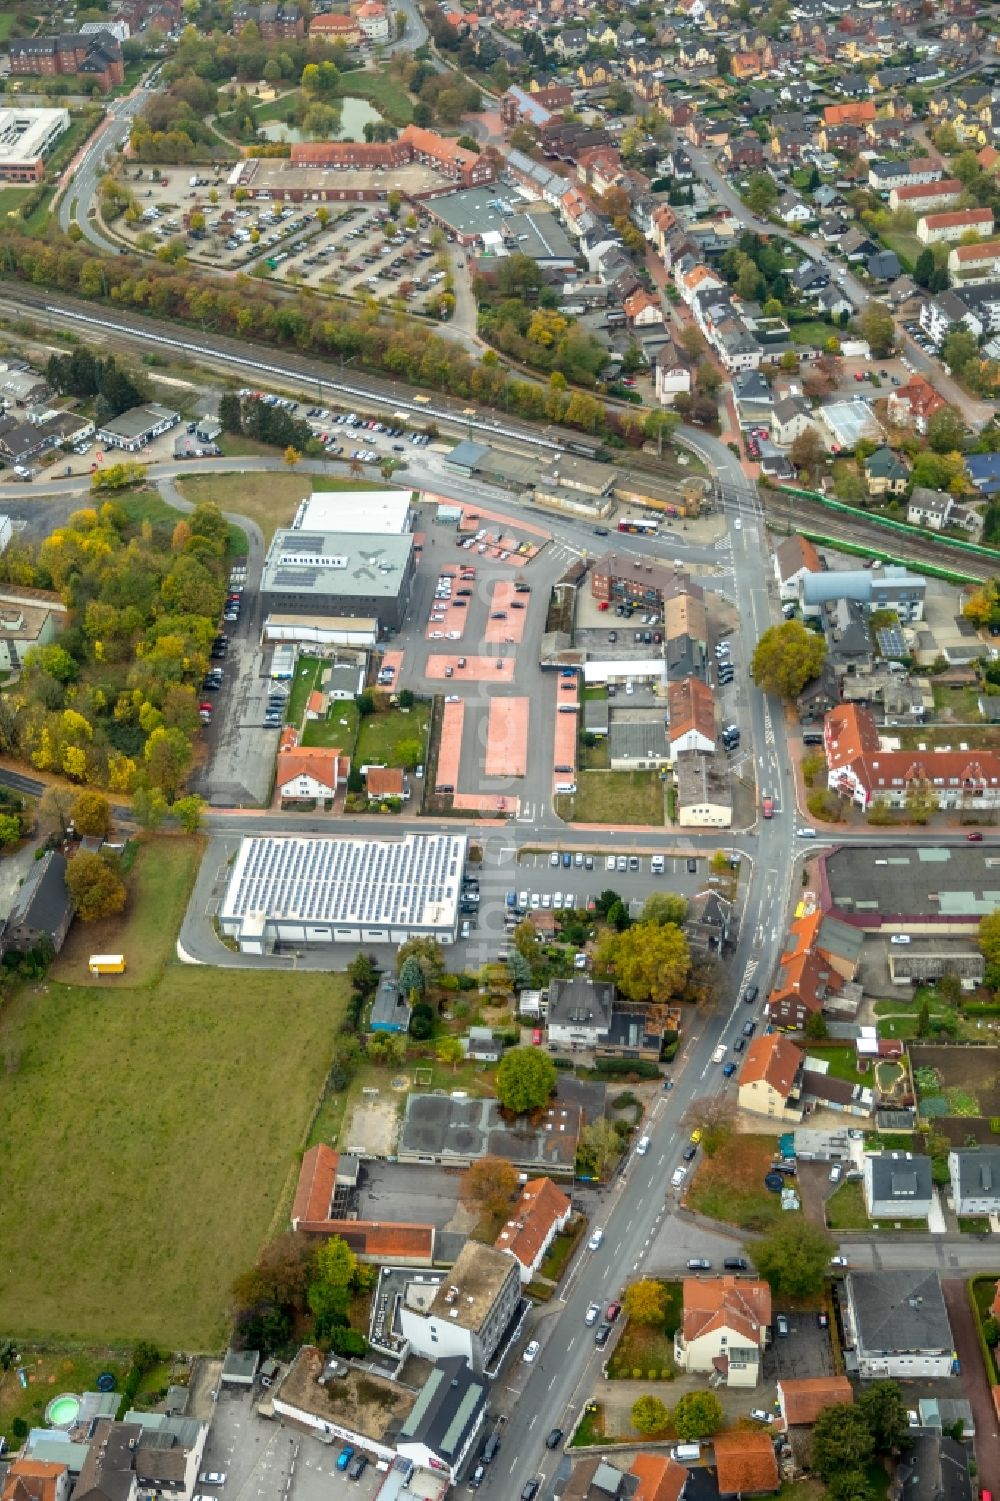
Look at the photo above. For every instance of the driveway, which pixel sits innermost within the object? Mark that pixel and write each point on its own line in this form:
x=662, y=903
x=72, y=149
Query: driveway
x=975, y=1382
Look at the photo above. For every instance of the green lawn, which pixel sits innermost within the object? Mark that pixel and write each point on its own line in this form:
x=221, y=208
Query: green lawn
x=159, y=883
x=333, y=731
x=814, y=332
x=269, y=499
x=7, y=19
x=958, y=700
x=12, y=198
x=307, y=671
x=381, y=733
x=614, y=797
x=154, y=1133
x=47, y=1375
x=899, y=1018
x=149, y=505
x=845, y=1208
x=841, y=1062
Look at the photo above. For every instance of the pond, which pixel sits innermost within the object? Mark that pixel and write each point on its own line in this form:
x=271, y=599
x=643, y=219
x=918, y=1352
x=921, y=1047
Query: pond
x=354, y=116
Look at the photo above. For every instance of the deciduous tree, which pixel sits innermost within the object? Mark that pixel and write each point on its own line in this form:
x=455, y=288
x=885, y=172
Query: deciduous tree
x=786, y=657
x=92, y=814
x=450, y=1051
x=646, y=1302
x=525, y=1079
x=489, y=1185
x=883, y=1406
x=95, y=886
x=841, y=1440
x=665, y=907
x=649, y=1415
x=651, y=962
x=698, y=1415
x=793, y=1257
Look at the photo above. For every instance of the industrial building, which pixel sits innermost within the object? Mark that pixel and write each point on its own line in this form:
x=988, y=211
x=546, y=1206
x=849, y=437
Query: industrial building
x=342, y=573
x=316, y=890
x=26, y=138
x=388, y=512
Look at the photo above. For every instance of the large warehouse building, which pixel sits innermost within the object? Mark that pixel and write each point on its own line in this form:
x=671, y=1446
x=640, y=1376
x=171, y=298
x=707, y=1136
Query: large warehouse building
x=311, y=891
x=344, y=574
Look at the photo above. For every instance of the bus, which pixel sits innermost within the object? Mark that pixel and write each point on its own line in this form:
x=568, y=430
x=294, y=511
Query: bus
x=638, y=527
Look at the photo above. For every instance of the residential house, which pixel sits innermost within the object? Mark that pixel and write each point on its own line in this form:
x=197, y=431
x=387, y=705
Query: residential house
x=883, y=266
x=390, y=1009
x=883, y=176
x=885, y=473
x=690, y=717
x=804, y=982
x=975, y=1180
x=745, y=1463
x=794, y=558
x=672, y=376
x=147, y=1452
x=649, y=1477
x=983, y=470
x=933, y=229
x=35, y=1480
x=936, y=1466
x=877, y=588
x=927, y=198
x=724, y=1328
x=711, y=924
x=704, y=791
x=571, y=43
x=801, y=1399
x=937, y=509
x=579, y=1014
x=858, y=767
x=386, y=781
x=642, y=309
x=770, y=1080
x=471, y=1312
x=898, y=1325
x=310, y=773
x=792, y=210
x=541, y=1212
x=914, y=404
x=897, y=1186
x=792, y=416
x=42, y=909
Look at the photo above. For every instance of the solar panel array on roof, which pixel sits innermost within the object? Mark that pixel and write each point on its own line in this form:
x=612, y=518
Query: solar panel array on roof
x=409, y=882
x=890, y=641
x=295, y=578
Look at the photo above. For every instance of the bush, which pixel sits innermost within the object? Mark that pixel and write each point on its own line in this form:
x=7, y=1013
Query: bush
x=618, y=1068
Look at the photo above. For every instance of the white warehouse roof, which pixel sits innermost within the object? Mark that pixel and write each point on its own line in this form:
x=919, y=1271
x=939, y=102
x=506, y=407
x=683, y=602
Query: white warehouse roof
x=332, y=887
x=355, y=511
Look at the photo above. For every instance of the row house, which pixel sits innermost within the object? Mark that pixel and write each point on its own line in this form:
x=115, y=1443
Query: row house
x=928, y=197
x=980, y=262
x=644, y=60
x=884, y=176
x=846, y=137
x=538, y=180
x=859, y=769
x=744, y=152
x=933, y=229
x=275, y=22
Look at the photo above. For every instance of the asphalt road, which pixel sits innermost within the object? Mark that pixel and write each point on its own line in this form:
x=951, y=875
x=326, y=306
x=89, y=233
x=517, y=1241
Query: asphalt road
x=89, y=167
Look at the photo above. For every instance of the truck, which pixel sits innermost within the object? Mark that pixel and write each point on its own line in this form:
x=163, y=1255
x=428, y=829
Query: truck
x=106, y=964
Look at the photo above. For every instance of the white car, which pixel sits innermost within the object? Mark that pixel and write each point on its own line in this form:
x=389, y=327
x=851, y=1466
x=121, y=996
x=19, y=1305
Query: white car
x=595, y=1240
x=212, y=1477
x=642, y=1145
x=737, y=525
x=592, y=1315
x=760, y=1416
x=530, y=1351
x=609, y=863
x=838, y=1260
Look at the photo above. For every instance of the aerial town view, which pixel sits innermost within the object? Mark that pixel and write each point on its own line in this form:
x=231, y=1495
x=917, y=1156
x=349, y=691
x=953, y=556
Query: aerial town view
x=499, y=750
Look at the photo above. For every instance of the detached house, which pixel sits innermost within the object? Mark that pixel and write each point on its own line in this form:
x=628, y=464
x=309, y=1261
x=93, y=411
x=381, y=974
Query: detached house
x=975, y=1180
x=724, y=1329
x=801, y=1399
x=897, y=1186
x=885, y=474
x=691, y=716
x=898, y=1324
x=793, y=559
x=914, y=404
x=770, y=1080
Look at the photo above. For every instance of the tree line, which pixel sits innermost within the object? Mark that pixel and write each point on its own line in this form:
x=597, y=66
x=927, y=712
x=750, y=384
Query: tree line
x=390, y=345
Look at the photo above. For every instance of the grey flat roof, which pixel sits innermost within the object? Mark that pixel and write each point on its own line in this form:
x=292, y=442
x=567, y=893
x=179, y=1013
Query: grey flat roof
x=359, y=564
x=638, y=742
x=468, y=455
x=929, y=881
x=439, y=1126
x=139, y=420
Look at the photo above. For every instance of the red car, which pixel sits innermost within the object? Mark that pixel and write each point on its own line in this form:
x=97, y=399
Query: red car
x=536, y=1037
x=975, y=837
x=767, y=807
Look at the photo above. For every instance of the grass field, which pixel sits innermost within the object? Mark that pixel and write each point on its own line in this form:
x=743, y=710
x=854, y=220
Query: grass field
x=160, y=883
x=333, y=731
x=730, y=1185
x=381, y=733
x=307, y=671
x=845, y=1208
x=153, y=1124
x=6, y=24
x=959, y=700
x=813, y=331
x=12, y=198
x=149, y=505
x=269, y=499
x=154, y=1133
x=384, y=92
x=614, y=797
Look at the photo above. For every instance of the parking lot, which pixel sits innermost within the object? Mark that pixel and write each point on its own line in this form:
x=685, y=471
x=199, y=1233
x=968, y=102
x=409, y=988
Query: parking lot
x=263, y=1460
x=357, y=250
x=804, y=1351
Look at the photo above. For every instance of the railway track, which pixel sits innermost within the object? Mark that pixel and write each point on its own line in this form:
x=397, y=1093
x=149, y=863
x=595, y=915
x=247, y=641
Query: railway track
x=806, y=516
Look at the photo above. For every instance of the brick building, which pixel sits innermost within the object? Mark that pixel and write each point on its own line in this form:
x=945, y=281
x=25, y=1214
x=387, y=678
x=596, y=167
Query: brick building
x=96, y=58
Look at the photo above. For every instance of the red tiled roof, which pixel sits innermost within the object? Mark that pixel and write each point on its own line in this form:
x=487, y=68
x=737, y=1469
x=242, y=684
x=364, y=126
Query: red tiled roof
x=968, y=216
x=849, y=114
x=540, y=1206
x=384, y=781
x=852, y=744
x=308, y=761
x=804, y=1398
x=773, y=1060
x=32, y=1480
x=948, y=187
x=741, y=1305
x=660, y=1477
x=745, y=1463
x=317, y=1176
x=806, y=975
x=377, y=1240
x=986, y=250
x=690, y=706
